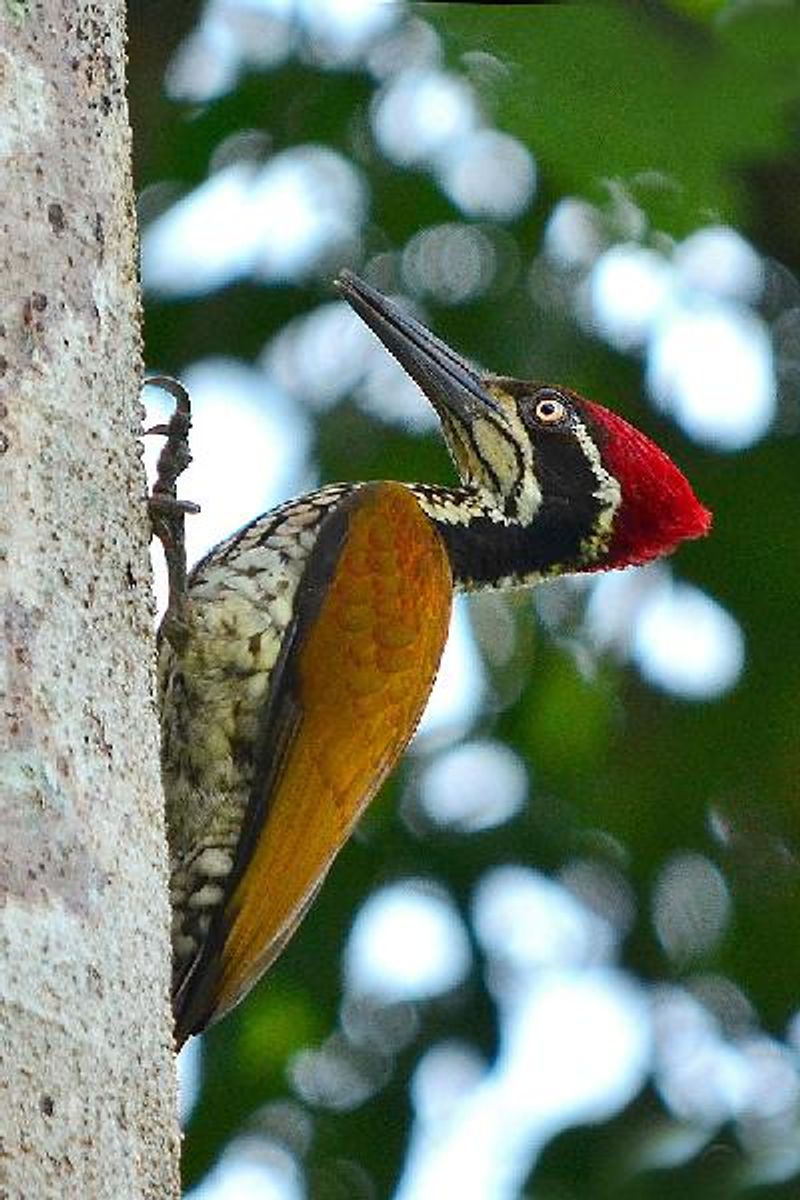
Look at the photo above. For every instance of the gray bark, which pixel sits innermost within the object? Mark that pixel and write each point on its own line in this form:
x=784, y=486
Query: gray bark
x=87, y=1087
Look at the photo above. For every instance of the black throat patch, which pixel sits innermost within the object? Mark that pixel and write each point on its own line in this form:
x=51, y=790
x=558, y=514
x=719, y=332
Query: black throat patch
x=483, y=551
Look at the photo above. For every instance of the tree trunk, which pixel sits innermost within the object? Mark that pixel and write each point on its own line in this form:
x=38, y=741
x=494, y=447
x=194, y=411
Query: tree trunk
x=87, y=1087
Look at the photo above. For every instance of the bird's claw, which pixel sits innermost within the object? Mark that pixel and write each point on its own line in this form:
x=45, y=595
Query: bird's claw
x=175, y=455
x=163, y=502
x=167, y=512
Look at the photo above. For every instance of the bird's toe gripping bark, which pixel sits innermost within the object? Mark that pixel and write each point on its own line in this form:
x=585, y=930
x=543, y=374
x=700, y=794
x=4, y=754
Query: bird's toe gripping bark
x=167, y=512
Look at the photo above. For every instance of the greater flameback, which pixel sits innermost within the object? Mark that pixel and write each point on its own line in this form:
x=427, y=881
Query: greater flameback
x=308, y=642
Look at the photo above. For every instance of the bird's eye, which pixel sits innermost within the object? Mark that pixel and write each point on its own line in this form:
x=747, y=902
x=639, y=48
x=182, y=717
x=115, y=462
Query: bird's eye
x=550, y=410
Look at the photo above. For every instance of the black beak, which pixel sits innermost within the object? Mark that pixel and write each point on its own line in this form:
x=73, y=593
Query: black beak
x=453, y=387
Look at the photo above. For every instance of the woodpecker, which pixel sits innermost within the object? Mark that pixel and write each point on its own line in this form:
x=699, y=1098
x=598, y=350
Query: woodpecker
x=297, y=659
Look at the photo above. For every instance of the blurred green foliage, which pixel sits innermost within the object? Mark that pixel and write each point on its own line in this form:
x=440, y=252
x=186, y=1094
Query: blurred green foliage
x=674, y=108
x=698, y=120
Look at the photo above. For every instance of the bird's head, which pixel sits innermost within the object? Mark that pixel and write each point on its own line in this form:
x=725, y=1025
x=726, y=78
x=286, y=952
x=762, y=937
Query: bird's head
x=592, y=492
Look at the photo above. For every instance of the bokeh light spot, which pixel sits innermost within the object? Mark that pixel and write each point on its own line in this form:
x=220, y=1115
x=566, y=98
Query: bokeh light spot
x=277, y=222
x=420, y=113
x=686, y=643
x=252, y=1170
x=529, y=921
x=709, y=363
x=475, y=786
x=573, y=235
x=443, y=1078
x=489, y=174
x=718, y=260
x=338, y=1075
x=691, y=906
x=460, y=684
x=407, y=942
x=628, y=286
x=452, y=263
x=188, y=1078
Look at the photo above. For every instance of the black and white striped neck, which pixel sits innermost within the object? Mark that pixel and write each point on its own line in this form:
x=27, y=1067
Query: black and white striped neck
x=489, y=548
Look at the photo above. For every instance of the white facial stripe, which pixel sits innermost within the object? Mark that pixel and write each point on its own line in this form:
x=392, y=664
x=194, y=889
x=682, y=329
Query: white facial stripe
x=528, y=497
x=498, y=454
x=462, y=451
x=509, y=453
x=496, y=462
x=607, y=491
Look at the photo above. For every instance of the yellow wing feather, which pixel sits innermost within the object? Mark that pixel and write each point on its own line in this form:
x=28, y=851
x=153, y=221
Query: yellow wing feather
x=362, y=674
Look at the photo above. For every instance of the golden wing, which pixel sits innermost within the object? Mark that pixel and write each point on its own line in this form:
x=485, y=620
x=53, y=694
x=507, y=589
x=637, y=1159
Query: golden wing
x=355, y=670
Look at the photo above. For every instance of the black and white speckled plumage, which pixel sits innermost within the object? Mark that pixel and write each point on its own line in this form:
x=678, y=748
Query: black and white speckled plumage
x=213, y=686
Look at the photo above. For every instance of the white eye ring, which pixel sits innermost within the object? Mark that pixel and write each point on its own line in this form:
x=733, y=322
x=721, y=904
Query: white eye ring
x=550, y=411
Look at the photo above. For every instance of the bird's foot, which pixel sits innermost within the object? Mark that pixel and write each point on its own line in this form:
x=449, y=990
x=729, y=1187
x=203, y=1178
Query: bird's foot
x=167, y=512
